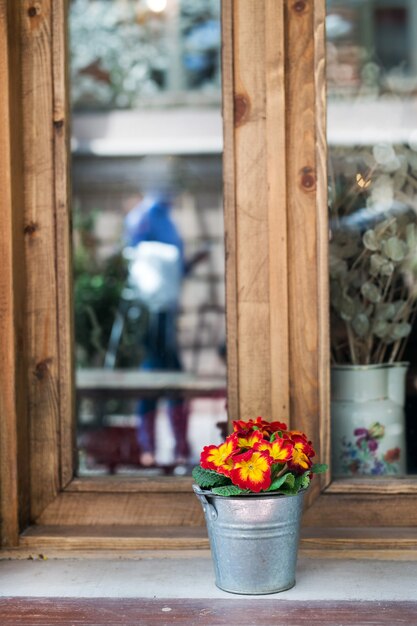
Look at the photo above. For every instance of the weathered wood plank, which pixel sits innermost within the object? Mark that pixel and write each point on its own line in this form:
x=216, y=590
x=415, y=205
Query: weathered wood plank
x=63, y=247
x=393, y=486
x=19, y=262
x=131, y=484
x=159, y=509
x=277, y=208
x=318, y=542
x=41, y=286
x=260, y=254
x=366, y=509
x=307, y=357
x=122, y=538
x=322, y=237
x=213, y=612
x=8, y=409
x=229, y=201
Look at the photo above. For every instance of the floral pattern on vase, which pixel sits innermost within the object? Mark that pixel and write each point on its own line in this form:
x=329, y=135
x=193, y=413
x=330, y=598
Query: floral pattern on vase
x=368, y=421
x=364, y=455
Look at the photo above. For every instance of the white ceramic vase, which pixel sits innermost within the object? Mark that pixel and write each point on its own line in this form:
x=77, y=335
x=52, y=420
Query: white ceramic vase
x=368, y=421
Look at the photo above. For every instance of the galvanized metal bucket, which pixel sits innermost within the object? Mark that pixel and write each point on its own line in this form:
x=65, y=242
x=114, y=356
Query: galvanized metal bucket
x=253, y=539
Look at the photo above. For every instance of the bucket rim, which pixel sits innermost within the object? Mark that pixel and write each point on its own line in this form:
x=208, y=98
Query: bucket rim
x=268, y=494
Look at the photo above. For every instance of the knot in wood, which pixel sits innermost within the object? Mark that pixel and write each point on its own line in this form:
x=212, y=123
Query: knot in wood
x=299, y=6
x=59, y=123
x=308, y=179
x=241, y=108
x=33, y=11
x=31, y=228
x=42, y=369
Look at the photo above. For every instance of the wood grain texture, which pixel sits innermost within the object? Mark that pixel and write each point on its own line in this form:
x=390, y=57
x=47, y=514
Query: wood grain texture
x=257, y=254
x=159, y=509
x=229, y=201
x=131, y=541
x=40, y=257
x=63, y=247
x=210, y=612
x=306, y=221
x=277, y=208
x=120, y=539
x=17, y=208
x=9, y=527
x=395, y=486
x=366, y=509
x=323, y=306
x=120, y=484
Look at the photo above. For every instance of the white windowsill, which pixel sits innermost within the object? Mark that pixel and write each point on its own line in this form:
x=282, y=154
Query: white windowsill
x=190, y=575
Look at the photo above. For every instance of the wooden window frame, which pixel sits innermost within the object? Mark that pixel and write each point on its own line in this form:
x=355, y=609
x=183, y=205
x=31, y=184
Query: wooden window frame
x=276, y=283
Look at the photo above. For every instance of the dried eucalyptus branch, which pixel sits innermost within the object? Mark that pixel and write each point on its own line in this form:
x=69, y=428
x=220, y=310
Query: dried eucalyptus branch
x=373, y=256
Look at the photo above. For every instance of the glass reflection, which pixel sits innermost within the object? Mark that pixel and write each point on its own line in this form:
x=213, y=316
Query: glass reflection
x=372, y=130
x=148, y=233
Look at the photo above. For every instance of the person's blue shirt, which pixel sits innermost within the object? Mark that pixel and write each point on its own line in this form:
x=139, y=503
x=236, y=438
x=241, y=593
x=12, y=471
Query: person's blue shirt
x=150, y=220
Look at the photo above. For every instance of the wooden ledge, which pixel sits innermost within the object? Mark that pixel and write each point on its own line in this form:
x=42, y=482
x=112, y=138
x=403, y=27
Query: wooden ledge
x=128, y=542
x=381, y=486
x=120, y=539
x=360, y=543
x=206, y=612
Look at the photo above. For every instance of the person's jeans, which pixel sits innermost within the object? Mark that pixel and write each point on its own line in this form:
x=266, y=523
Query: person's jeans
x=162, y=355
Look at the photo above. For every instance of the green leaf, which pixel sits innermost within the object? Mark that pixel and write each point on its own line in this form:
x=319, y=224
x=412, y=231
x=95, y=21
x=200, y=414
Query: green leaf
x=228, y=490
x=395, y=249
x=207, y=478
x=319, y=468
x=385, y=311
x=276, y=468
x=387, y=269
x=360, y=324
x=371, y=292
x=301, y=482
x=347, y=308
x=376, y=262
x=287, y=479
x=370, y=240
x=381, y=329
x=400, y=331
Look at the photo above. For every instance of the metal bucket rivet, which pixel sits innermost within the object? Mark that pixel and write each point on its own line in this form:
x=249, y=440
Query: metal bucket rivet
x=253, y=540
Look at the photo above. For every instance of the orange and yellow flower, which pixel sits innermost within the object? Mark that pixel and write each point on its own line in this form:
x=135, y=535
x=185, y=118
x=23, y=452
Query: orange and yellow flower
x=217, y=457
x=249, y=438
x=252, y=470
x=280, y=450
x=266, y=428
x=302, y=454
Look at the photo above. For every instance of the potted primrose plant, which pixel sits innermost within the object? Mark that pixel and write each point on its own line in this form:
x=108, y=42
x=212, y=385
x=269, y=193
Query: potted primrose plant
x=251, y=488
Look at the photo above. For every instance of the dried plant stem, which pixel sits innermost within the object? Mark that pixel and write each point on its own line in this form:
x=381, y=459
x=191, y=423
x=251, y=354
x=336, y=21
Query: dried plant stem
x=351, y=344
x=360, y=259
x=281, y=472
x=369, y=342
x=412, y=319
x=394, y=351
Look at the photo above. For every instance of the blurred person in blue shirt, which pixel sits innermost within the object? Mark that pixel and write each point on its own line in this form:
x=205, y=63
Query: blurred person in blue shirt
x=151, y=221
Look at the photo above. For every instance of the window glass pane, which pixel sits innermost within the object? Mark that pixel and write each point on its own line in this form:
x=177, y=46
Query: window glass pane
x=148, y=233
x=372, y=139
